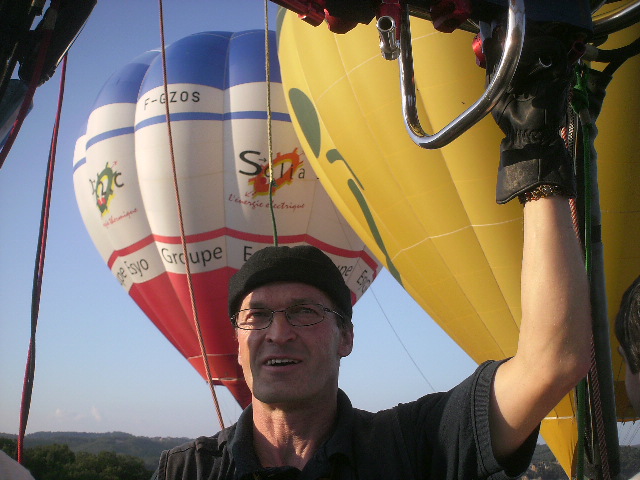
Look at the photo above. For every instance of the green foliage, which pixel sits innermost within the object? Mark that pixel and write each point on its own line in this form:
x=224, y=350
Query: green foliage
x=146, y=448
x=108, y=466
x=59, y=462
x=50, y=462
x=9, y=446
x=629, y=461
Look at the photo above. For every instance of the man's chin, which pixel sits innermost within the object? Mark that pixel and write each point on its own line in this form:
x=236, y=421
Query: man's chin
x=280, y=398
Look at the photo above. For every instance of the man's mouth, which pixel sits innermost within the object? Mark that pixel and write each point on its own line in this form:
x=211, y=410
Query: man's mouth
x=279, y=362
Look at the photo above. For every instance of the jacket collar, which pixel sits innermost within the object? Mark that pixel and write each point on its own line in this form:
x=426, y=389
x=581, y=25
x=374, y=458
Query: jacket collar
x=337, y=447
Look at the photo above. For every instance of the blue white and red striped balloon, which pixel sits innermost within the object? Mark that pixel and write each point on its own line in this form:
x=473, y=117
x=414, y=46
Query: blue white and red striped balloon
x=217, y=96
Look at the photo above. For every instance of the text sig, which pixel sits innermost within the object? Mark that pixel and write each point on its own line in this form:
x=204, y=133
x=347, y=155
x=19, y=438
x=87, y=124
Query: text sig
x=175, y=96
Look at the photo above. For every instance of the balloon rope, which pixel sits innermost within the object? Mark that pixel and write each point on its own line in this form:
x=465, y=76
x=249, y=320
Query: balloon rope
x=267, y=55
x=404, y=347
x=38, y=272
x=47, y=32
x=196, y=321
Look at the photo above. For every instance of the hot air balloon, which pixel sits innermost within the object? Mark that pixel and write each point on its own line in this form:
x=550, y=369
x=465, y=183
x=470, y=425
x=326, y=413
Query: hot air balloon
x=430, y=215
x=217, y=96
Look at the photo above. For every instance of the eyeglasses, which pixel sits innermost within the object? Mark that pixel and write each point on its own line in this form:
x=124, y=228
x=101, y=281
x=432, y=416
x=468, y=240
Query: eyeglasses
x=301, y=315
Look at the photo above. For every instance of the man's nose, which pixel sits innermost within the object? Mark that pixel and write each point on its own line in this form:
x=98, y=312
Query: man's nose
x=280, y=329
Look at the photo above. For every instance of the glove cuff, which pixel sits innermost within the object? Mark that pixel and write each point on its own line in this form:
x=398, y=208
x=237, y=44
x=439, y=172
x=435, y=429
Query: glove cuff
x=522, y=170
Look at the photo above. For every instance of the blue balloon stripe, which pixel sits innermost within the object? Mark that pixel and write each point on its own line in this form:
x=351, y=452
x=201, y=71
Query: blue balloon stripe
x=179, y=117
x=257, y=115
x=183, y=116
x=79, y=163
x=110, y=134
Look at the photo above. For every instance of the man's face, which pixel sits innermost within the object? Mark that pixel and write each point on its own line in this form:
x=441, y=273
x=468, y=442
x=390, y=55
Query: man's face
x=287, y=365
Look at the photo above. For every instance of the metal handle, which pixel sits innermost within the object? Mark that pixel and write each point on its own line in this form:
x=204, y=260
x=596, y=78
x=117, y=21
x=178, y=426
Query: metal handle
x=477, y=111
x=617, y=19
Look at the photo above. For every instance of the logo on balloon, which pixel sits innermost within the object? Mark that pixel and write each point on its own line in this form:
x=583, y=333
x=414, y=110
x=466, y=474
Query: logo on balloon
x=104, y=187
x=284, y=168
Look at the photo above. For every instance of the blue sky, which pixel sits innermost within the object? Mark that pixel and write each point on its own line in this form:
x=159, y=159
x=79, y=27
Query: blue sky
x=101, y=364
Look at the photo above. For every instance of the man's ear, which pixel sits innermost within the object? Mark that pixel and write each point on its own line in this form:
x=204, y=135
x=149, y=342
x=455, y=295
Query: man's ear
x=622, y=354
x=346, y=341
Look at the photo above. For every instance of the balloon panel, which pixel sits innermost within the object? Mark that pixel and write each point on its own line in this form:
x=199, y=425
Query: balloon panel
x=85, y=198
x=218, y=125
x=88, y=203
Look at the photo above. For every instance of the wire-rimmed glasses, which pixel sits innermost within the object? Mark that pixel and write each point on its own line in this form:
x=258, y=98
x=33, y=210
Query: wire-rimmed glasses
x=299, y=315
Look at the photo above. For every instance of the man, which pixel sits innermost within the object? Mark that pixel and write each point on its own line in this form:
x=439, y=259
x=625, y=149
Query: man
x=628, y=335
x=292, y=314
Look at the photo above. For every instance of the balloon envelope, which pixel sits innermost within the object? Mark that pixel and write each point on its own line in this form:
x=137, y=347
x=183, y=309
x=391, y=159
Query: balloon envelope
x=125, y=188
x=430, y=215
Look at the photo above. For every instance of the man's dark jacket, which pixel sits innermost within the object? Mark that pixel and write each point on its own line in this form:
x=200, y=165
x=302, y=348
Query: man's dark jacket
x=442, y=436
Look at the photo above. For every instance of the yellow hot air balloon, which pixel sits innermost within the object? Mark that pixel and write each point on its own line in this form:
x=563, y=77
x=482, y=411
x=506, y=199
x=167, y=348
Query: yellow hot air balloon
x=431, y=215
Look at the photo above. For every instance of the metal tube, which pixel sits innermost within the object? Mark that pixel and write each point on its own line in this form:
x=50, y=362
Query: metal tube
x=389, y=45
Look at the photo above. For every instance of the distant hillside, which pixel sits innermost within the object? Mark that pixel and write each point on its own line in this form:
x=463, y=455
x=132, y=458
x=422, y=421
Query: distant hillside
x=544, y=465
x=146, y=448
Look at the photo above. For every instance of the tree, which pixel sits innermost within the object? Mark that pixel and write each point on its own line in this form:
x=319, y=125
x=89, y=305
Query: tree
x=58, y=462
x=9, y=446
x=629, y=461
x=108, y=466
x=49, y=462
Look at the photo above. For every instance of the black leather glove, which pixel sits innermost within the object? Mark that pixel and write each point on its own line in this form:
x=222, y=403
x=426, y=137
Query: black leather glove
x=530, y=114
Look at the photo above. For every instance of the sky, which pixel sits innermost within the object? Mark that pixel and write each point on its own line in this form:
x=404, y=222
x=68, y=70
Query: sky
x=101, y=365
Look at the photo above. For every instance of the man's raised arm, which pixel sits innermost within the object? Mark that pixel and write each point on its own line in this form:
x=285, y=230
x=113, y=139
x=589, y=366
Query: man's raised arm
x=555, y=334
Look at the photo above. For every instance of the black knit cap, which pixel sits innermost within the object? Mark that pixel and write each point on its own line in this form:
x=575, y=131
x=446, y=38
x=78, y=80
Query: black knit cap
x=303, y=263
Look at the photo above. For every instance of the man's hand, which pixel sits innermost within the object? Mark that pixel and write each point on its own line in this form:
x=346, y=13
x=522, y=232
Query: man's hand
x=531, y=114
